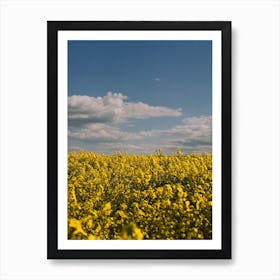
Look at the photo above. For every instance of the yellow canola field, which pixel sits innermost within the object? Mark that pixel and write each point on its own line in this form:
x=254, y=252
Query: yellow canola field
x=127, y=196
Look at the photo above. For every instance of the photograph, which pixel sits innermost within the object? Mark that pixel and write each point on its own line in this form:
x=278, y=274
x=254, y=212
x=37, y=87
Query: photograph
x=140, y=135
x=140, y=140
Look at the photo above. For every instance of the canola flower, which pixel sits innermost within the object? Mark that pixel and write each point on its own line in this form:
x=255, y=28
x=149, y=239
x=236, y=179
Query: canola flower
x=127, y=196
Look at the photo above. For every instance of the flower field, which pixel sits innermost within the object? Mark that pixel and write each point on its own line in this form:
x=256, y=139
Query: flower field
x=127, y=196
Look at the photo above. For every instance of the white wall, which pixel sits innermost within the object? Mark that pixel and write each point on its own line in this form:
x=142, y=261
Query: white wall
x=255, y=139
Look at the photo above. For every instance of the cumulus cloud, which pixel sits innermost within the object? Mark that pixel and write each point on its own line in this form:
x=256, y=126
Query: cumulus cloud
x=75, y=148
x=194, y=131
x=85, y=109
x=141, y=110
x=112, y=108
x=94, y=123
x=193, y=134
x=100, y=132
x=194, y=127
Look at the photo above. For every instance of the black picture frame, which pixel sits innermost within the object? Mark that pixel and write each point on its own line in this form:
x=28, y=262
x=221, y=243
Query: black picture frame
x=53, y=252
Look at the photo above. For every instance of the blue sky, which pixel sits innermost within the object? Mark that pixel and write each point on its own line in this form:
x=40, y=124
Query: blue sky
x=139, y=96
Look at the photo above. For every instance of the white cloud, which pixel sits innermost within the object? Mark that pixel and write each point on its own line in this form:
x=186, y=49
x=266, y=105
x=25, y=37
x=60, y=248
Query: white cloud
x=194, y=127
x=100, y=132
x=112, y=108
x=85, y=109
x=75, y=148
x=141, y=110
x=194, y=134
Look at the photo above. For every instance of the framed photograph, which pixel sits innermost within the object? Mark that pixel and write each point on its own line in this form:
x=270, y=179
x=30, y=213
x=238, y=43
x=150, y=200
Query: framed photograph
x=139, y=140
